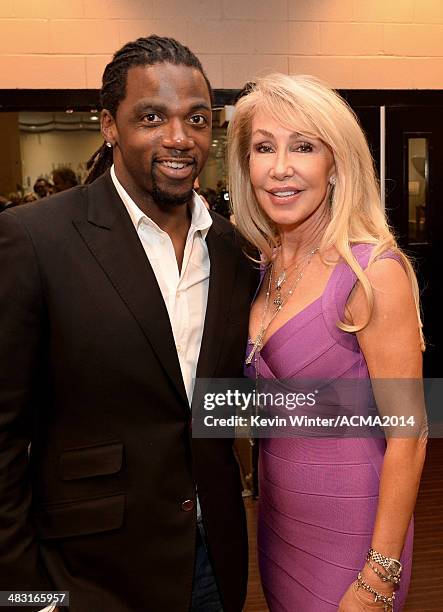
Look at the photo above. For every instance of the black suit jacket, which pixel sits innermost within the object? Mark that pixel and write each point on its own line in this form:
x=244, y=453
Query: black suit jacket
x=90, y=377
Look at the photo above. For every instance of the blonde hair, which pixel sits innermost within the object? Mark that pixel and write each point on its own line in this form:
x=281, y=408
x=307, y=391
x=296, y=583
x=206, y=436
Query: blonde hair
x=304, y=104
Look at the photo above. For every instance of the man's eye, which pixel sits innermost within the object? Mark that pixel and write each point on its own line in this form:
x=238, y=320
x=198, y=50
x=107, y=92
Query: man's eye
x=198, y=120
x=152, y=118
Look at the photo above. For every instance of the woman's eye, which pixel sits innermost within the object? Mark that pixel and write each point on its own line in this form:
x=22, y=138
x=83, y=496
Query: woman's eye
x=263, y=148
x=198, y=120
x=303, y=147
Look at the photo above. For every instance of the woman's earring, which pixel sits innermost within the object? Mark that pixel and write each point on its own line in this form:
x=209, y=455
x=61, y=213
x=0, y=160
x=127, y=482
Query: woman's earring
x=108, y=144
x=332, y=182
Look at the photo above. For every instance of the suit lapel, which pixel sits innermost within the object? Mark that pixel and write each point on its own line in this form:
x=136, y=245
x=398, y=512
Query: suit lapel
x=224, y=261
x=113, y=241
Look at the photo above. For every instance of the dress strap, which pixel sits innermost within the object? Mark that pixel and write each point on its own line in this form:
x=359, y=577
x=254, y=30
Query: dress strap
x=339, y=289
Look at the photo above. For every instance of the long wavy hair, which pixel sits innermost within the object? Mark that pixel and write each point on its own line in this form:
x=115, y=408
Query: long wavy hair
x=306, y=105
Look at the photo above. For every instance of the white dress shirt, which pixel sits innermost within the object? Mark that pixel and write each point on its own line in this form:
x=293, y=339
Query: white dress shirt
x=185, y=292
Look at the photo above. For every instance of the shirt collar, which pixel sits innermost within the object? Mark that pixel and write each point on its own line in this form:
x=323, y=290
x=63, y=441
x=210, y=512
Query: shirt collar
x=201, y=220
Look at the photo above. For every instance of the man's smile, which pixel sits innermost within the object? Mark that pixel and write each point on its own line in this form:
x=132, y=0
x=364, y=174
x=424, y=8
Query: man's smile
x=176, y=168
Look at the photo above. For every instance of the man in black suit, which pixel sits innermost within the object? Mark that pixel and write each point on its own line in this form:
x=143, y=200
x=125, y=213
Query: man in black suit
x=114, y=296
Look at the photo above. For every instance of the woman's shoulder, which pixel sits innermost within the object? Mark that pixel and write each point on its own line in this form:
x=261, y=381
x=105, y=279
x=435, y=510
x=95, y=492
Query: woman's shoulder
x=362, y=250
x=381, y=266
x=367, y=254
x=386, y=270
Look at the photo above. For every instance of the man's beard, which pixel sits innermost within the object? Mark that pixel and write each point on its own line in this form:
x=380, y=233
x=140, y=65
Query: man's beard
x=165, y=199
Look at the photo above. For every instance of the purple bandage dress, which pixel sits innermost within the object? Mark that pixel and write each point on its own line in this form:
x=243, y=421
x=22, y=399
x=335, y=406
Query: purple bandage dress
x=318, y=496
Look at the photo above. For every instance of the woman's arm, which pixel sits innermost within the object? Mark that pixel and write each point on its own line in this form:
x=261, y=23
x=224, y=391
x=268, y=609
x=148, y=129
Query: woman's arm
x=391, y=346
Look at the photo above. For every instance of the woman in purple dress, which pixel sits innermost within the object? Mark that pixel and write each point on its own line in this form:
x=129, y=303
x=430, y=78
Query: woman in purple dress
x=338, y=300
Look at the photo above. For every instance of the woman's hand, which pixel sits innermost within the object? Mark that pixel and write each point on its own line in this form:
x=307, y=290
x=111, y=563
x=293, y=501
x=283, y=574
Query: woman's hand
x=358, y=601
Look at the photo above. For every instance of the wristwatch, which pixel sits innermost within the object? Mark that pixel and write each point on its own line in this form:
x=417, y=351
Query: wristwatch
x=393, y=567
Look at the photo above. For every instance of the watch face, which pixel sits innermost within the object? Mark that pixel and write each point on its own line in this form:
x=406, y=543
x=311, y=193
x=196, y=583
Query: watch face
x=394, y=567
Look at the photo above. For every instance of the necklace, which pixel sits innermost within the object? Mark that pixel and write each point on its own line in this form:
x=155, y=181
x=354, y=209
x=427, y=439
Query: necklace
x=279, y=301
x=283, y=276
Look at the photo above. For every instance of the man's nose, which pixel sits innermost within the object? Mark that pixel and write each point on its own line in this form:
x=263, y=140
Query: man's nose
x=176, y=136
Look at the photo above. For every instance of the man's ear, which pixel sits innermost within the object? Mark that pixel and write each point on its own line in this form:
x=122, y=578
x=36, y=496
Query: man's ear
x=108, y=127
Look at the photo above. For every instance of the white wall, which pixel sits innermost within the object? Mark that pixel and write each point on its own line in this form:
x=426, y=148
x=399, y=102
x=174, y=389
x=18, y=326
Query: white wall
x=349, y=43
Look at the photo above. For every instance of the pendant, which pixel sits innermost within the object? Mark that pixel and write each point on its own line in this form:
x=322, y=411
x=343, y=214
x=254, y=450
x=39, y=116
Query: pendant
x=280, y=281
x=278, y=301
x=257, y=346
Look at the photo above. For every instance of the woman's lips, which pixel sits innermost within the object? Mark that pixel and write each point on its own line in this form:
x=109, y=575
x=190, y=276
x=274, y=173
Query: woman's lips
x=284, y=196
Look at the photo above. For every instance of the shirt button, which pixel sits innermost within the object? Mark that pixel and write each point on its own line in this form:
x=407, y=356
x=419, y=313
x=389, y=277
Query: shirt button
x=178, y=294
x=188, y=505
x=179, y=348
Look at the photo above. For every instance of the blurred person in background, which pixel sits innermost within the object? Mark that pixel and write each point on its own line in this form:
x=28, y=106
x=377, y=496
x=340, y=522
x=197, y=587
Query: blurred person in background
x=42, y=188
x=29, y=197
x=63, y=178
x=4, y=203
x=14, y=198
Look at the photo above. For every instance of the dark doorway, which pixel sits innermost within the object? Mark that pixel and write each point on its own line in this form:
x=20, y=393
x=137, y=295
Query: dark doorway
x=414, y=188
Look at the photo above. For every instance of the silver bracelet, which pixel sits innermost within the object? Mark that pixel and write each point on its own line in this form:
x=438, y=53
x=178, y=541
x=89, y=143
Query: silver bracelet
x=383, y=576
x=393, y=567
x=387, y=601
